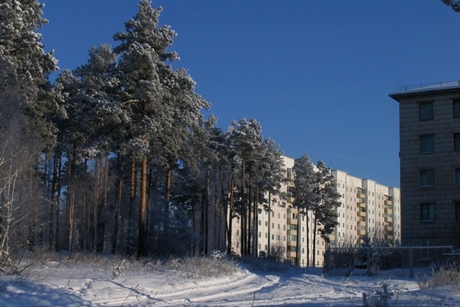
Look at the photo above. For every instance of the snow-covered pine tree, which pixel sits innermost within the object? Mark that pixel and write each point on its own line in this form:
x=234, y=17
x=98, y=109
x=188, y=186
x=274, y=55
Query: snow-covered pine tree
x=245, y=144
x=29, y=65
x=325, y=207
x=304, y=200
x=455, y=5
x=270, y=176
x=143, y=51
x=162, y=104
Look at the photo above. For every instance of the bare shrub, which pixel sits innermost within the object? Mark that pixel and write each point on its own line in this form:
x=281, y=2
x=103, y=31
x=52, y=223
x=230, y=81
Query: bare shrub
x=447, y=275
x=266, y=264
x=201, y=267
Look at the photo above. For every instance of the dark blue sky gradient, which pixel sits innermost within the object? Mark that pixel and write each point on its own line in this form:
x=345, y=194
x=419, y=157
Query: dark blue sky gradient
x=315, y=74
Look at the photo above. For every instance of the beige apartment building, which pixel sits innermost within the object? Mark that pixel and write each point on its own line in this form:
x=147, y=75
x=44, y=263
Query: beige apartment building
x=368, y=210
x=430, y=163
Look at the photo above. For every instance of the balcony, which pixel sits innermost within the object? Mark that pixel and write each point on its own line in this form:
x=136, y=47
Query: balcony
x=389, y=236
x=362, y=213
x=291, y=242
x=388, y=218
x=388, y=211
x=361, y=232
x=388, y=228
x=361, y=223
x=290, y=199
x=387, y=202
x=290, y=254
x=361, y=204
x=361, y=195
x=292, y=232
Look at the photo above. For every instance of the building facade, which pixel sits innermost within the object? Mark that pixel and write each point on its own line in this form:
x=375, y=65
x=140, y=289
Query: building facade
x=368, y=210
x=430, y=164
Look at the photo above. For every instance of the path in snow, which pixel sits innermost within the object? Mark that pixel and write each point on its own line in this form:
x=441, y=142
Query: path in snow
x=56, y=285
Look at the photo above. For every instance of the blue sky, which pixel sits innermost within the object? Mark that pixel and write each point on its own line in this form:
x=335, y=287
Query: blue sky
x=315, y=74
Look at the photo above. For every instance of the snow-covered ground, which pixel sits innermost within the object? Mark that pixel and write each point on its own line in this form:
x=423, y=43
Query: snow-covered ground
x=56, y=283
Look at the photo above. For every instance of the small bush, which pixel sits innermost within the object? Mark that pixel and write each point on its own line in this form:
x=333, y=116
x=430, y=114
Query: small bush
x=201, y=267
x=379, y=298
x=266, y=264
x=448, y=275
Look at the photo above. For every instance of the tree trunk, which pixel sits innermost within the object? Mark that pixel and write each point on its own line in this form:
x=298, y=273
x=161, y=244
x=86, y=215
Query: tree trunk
x=230, y=218
x=308, y=237
x=299, y=238
x=269, y=220
x=314, y=241
x=243, y=211
x=255, y=238
x=118, y=219
x=142, y=237
x=167, y=197
x=249, y=218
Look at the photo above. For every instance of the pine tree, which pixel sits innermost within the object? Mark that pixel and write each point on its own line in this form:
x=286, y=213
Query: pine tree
x=304, y=200
x=245, y=144
x=28, y=64
x=163, y=107
x=455, y=5
x=325, y=205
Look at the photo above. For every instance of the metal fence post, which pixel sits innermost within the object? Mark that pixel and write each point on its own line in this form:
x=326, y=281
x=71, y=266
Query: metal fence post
x=411, y=262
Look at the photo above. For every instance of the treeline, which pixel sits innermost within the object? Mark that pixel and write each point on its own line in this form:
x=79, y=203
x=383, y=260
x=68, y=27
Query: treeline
x=115, y=156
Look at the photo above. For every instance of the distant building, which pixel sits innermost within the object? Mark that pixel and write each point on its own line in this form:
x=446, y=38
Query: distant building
x=368, y=210
x=430, y=164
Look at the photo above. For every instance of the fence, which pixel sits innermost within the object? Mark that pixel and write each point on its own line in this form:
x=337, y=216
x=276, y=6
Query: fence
x=373, y=258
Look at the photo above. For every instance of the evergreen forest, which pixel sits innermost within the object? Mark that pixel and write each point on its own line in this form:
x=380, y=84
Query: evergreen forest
x=116, y=156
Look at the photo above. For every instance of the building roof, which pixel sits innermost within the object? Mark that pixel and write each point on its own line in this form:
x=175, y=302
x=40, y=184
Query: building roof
x=410, y=90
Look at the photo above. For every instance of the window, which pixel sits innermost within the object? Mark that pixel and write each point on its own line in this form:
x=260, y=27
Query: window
x=426, y=177
x=456, y=108
x=427, y=212
x=457, y=141
x=457, y=176
x=426, y=143
x=457, y=211
x=425, y=110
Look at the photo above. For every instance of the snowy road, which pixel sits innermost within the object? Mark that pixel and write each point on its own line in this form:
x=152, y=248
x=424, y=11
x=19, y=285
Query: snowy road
x=57, y=285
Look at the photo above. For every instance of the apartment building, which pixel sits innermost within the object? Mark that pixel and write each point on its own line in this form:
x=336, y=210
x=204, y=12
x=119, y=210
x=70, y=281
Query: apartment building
x=368, y=210
x=430, y=164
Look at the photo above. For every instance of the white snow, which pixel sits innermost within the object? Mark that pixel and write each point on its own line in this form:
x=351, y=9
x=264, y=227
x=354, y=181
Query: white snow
x=55, y=283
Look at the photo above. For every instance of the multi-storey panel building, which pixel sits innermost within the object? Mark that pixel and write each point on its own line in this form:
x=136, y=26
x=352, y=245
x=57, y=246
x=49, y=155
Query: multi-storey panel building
x=430, y=164
x=368, y=210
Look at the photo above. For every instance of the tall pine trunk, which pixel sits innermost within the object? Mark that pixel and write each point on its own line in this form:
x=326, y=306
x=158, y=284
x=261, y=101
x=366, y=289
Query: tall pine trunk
x=299, y=237
x=314, y=241
x=142, y=237
x=269, y=221
x=230, y=218
x=118, y=218
x=308, y=237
